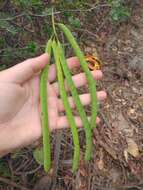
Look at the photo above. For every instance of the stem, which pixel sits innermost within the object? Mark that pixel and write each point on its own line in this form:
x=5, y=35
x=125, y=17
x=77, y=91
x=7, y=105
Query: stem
x=53, y=24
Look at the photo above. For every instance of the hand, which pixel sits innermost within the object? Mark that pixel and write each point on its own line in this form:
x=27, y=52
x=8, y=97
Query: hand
x=20, y=122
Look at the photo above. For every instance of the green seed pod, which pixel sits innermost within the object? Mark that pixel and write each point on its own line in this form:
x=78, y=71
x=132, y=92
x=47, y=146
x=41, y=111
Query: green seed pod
x=90, y=79
x=80, y=108
x=67, y=107
x=44, y=110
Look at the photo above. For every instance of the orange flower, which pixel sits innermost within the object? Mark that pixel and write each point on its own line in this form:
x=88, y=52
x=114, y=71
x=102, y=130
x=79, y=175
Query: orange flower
x=94, y=62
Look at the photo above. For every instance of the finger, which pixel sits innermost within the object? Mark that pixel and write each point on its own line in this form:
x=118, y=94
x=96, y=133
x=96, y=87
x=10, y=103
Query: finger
x=79, y=80
x=63, y=122
x=72, y=62
x=25, y=70
x=85, y=100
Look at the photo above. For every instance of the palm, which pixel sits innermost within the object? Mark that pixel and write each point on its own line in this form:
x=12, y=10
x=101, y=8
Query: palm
x=20, y=106
x=29, y=115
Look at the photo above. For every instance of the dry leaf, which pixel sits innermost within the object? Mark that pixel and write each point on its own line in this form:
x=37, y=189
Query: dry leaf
x=126, y=155
x=100, y=164
x=132, y=147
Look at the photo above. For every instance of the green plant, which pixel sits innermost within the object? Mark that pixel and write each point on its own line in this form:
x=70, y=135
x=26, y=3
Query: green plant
x=62, y=70
x=4, y=169
x=73, y=3
x=44, y=109
x=92, y=90
x=7, y=26
x=64, y=97
x=27, y=3
x=9, y=54
x=43, y=97
x=38, y=154
x=32, y=47
x=91, y=81
x=2, y=43
x=119, y=11
x=74, y=22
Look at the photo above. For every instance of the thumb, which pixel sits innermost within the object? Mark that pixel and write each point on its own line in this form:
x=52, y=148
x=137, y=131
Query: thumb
x=25, y=70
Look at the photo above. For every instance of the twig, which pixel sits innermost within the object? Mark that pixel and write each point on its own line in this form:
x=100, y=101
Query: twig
x=55, y=13
x=11, y=183
x=58, y=139
x=72, y=10
x=105, y=146
x=12, y=18
x=87, y=31
x=29, y=172
x=105, y=120
x=23, y=27
x=103, y=23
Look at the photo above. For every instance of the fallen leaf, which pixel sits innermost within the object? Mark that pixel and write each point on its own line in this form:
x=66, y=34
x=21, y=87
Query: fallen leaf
x=126, y=155
x=38, y=155
x=132, y=147
x=100, y=164
x=44, y=183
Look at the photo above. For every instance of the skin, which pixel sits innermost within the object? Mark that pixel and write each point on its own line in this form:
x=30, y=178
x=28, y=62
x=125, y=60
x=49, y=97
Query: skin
x=20, y=123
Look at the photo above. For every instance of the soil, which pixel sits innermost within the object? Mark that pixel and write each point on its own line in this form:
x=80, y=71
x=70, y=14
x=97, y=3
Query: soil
x=117, y=162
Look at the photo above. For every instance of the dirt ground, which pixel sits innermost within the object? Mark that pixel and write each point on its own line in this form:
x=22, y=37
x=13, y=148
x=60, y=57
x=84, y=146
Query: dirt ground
x=117, y=162
x=118, y=159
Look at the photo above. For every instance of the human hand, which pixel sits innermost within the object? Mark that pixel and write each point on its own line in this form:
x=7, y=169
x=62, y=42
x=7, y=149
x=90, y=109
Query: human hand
x=20, y=122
